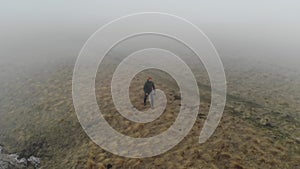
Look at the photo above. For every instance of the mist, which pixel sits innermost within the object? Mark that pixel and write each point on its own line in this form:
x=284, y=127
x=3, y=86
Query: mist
x=257, y=41
x=38, y=34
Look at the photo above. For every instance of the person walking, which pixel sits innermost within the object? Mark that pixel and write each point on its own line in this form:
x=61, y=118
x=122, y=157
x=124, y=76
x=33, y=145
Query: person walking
x=149, y=89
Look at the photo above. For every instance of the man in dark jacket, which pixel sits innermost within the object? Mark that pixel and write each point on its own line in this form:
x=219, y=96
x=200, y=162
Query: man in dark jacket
x=149, y=89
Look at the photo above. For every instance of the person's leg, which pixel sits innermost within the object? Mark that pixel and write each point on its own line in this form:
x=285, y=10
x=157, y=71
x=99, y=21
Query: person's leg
x=145, y=99
x=152, y=99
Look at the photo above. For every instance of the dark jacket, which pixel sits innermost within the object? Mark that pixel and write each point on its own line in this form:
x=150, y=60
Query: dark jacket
x=149, y=85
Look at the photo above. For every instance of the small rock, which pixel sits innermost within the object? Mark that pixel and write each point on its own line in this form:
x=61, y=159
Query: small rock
x=8, y=161
x=21, y=162
x=266, y=122
x=34, y=161
x=108, y=166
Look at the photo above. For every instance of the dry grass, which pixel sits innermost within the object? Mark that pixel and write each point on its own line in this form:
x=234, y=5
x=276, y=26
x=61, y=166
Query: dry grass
x=241, y=141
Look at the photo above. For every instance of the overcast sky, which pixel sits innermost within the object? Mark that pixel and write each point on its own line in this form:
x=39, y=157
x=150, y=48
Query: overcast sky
x=267, y=30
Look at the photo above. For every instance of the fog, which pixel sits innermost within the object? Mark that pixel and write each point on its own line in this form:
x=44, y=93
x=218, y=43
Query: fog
x=35, y=34
x=258, y=42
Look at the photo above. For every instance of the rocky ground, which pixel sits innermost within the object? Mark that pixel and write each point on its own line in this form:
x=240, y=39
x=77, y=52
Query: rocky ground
x=13, y=161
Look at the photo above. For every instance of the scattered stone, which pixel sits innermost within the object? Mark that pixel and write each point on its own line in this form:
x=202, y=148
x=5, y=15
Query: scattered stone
x=34, y=161
x=266, y=122
x=108, y=166
x=8, y=161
